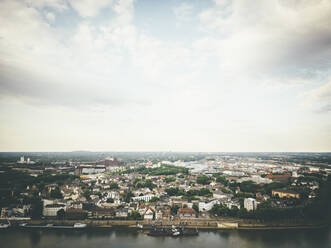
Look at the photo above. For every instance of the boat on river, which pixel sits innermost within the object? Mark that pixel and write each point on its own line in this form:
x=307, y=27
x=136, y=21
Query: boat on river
x=172, y=231
x=54, y=226
x=5, y=225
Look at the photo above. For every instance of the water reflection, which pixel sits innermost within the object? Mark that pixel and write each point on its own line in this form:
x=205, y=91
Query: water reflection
x=100, y=238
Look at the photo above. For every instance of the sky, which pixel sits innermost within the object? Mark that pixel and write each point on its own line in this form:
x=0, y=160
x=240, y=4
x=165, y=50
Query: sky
x=174, y=75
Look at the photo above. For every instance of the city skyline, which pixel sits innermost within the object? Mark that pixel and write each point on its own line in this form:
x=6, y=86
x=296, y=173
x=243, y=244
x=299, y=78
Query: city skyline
x=143, y=75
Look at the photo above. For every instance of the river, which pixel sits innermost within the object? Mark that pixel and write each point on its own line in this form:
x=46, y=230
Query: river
x=102, y=238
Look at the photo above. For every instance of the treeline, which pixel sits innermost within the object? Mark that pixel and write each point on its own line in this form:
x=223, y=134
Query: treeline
x=13, y=182
x=190, y=194
x=162, y=170
x=318, y=210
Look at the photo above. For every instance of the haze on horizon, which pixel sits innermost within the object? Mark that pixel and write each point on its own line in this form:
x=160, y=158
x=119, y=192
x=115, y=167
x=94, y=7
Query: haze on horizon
x=153, y=75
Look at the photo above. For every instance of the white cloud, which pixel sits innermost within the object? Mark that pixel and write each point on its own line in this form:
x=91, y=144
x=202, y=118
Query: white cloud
x=55, y=4
x=319, y=98
x=237, y=80
x=183, y=12
x=272, y=37
x=89, y=8
x=50, y=16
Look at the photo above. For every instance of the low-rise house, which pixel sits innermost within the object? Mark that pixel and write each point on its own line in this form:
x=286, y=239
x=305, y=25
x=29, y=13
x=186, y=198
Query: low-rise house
x=122, y=212
x=159, y=215
x=75, y=214
x=102, y=213
x=186, y=213
x=149, y=214
x=175, y=201
x=281, y=193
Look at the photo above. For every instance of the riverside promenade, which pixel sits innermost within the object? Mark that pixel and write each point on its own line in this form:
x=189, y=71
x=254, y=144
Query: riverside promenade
x=207, y=224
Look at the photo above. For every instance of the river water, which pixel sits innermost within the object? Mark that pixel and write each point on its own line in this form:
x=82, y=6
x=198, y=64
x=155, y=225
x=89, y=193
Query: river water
x=102, y=238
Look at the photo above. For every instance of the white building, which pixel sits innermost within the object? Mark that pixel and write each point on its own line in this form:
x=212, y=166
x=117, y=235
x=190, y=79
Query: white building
x=256, y=179
x=145, y=198
x=52, y=209
x=206, y=206
x=113, y=195
x=250, y=204
x=149, y=214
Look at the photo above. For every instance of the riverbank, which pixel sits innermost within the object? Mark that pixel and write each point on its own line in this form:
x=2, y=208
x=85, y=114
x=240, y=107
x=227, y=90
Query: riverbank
x=206, y=224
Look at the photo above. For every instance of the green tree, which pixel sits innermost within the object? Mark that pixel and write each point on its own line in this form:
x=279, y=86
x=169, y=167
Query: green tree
x=203, y=180
x=196, y=207
x=113, y=186
x=60, y=214
x=174, y=210
x=56, y=193
x=154, y=199
x=222, y=179
x=135, y=215
x=248, y=186
x=36, y=209
x=170, y=179
x=149, y=184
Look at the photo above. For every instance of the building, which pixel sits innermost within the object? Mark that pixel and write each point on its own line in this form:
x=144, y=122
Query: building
x=50, y=210
x=149, y=214
x=285, y=194
x=102, y=213
x=206, y=206
x=186, y=213
x=250, y=204
x=145, y=198
x=23, y=161
x=76, y=214
x=278, y=176
x=111, y=161
x=122, y=213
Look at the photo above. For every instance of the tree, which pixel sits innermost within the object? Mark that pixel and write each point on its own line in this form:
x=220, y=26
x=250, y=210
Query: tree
x=205, y=192
x=113, y=186
x=174, y=210
x=154, y=199
x=128, y=196
x=60, y=214
x=149, y=184
x=172, y=191
x=222, y=179
x=248, y=186
x=196, y=207
x=203, y=180
x=170, y=179
x=110, y=200
x=56, y=193
x=36, y=209
x=135, y=215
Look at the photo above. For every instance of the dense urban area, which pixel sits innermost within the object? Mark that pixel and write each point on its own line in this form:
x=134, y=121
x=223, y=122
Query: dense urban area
x=165, y=186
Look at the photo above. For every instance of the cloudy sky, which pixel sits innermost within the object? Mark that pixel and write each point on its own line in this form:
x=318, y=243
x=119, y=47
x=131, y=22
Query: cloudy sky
x=156, y=75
